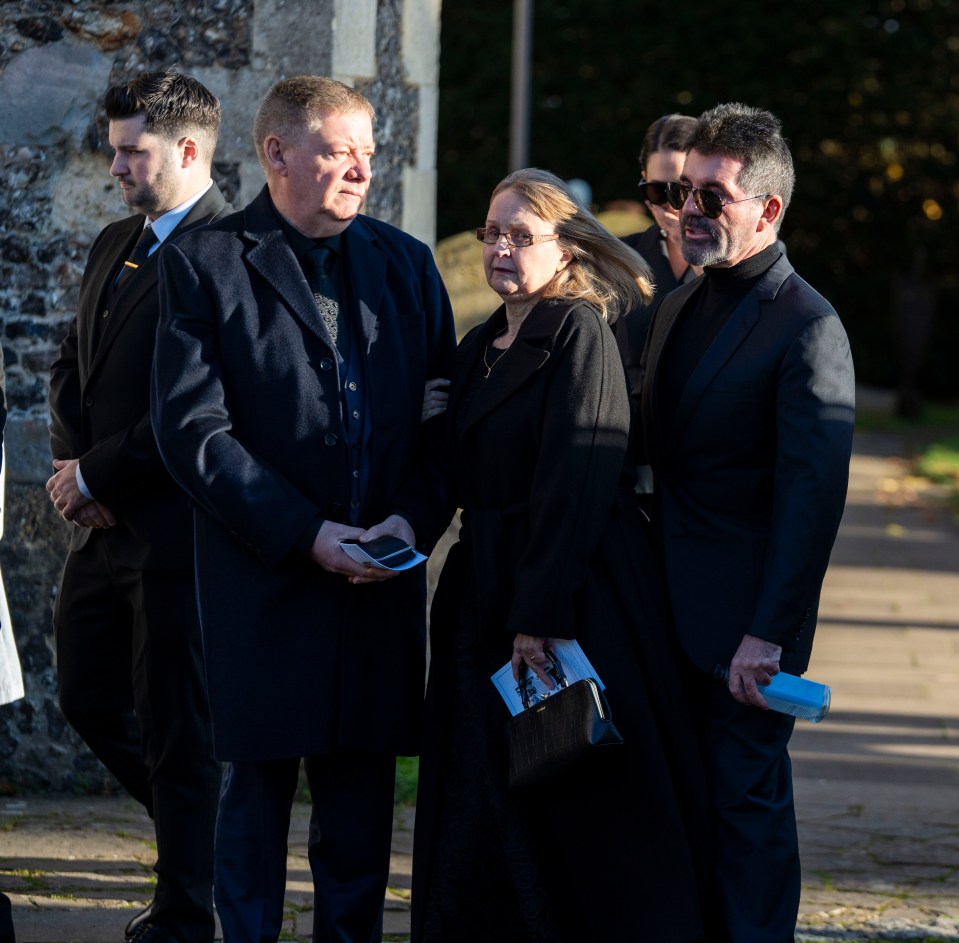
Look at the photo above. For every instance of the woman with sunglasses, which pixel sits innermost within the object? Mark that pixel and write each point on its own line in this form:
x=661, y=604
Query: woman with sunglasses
x=551, y=548
x=661, y=159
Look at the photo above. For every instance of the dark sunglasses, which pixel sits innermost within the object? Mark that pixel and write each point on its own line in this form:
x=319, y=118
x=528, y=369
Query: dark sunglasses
x=653, y=191
x=708, y=202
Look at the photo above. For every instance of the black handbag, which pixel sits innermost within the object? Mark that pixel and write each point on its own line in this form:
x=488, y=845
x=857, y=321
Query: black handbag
x=551, y=733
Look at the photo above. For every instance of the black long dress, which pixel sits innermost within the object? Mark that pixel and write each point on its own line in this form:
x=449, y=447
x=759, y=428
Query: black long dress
x=615, y=849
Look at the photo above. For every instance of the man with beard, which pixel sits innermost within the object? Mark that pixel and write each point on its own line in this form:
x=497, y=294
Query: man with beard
x=129, y=663
x=747, y=409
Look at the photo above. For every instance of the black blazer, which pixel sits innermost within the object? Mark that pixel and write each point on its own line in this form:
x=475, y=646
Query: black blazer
x=100, y=400
x=247, y=413
x=751, y=474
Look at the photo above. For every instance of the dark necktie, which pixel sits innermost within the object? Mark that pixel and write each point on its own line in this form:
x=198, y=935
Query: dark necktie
x=139, y=255
x=327, y=300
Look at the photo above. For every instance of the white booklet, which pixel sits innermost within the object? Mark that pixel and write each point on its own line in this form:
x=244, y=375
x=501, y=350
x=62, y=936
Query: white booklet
x=387, y=553
x=573, y=662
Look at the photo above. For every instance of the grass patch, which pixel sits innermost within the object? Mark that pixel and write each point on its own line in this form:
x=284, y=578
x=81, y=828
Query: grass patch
x=407, y=775
x=940, y=463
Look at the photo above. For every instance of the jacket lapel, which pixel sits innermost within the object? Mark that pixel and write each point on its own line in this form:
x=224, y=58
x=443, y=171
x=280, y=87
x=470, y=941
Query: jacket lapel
x=366, y=269
x=129, y=296
x=736, y=329
x=119, y=247
x=527, y=354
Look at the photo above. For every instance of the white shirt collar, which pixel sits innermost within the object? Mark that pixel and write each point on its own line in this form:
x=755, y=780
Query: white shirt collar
x=169, y=221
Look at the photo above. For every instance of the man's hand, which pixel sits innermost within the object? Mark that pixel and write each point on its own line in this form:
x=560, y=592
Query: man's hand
x=435, y=397
x=94, y=514
x=64, y=491
x=755, y=663
x=394, y=526
x=329, y=555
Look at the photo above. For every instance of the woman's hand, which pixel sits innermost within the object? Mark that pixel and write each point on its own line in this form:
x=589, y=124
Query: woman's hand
x=434, y=398
x=531, y=651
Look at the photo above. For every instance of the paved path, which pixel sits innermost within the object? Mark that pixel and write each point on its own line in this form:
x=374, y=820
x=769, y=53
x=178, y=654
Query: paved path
x=877, y=783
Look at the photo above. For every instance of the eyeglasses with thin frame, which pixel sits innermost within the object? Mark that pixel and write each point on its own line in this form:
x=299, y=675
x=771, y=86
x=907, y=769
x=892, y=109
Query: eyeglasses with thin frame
x=708, y=202
x=515, y=240
x=654, y=191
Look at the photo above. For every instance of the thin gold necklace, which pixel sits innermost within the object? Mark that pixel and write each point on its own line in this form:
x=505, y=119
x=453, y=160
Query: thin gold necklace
x=489, y=366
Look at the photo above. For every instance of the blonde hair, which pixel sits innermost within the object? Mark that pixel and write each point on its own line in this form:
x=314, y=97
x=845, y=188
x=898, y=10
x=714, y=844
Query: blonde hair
x=604, y=271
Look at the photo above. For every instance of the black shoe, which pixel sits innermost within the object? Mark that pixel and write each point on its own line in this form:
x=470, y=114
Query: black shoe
x=137, y=920
x=151, y=933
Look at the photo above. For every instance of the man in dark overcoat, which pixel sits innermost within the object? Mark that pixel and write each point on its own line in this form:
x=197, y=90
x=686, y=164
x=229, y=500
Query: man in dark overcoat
x=296, y=339
x=129, y=660
x=747, y=411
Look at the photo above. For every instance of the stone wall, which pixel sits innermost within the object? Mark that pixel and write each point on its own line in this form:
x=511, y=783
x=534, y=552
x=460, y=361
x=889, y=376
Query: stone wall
x=56, y=61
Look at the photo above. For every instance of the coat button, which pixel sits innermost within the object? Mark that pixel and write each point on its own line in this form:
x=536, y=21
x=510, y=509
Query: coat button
x=330, y=438
x=336, y=507
x=88, y=401
x=326, y=364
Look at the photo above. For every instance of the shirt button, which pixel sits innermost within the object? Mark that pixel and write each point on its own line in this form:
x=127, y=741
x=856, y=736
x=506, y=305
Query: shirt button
x=88, y=401
x=326, y=364
x=351, y=386
x=356, y=474
x=106, y=313
x=355, y=444
x=354, y=504
x=330, y=439
x=356, y=414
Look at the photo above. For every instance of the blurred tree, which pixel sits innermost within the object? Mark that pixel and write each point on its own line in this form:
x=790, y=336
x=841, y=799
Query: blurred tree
x=868, y=93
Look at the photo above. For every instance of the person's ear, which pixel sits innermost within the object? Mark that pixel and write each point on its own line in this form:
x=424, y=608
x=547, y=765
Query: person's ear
x=772, y=209
x=275, y=151
x=189, y=151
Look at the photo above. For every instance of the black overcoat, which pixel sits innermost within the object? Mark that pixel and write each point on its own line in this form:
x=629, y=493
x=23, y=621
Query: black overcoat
x=247, y=414
x=551, y=547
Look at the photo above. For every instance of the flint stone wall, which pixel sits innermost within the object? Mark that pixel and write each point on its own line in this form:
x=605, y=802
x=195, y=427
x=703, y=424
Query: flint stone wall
x=56, y=61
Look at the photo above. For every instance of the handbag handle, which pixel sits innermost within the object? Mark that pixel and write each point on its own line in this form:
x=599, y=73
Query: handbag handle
x=554, y=669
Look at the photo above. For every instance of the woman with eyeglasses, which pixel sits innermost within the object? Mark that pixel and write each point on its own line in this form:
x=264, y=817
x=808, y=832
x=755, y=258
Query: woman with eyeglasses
x=551, y=547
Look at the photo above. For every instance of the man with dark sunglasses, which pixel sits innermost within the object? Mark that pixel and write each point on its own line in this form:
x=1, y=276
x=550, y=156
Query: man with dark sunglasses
x=747, y=409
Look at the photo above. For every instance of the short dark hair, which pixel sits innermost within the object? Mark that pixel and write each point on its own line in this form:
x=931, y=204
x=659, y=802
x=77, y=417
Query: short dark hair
x=174, y=104
x=292, y=108
x=753, y=136
x=669, y=133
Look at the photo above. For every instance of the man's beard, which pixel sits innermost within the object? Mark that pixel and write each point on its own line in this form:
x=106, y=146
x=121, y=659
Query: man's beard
x=700, y=253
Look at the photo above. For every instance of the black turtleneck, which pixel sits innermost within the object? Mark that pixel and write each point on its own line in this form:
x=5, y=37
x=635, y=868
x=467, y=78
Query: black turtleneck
x=703, y=318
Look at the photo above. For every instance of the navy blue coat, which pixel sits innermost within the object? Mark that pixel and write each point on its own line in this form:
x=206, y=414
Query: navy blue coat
x=246, y=408
x=751, y=474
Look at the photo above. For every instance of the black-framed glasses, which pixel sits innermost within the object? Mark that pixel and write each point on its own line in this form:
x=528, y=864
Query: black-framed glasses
x=654, y=191
x=515, y=240
x=708, y=202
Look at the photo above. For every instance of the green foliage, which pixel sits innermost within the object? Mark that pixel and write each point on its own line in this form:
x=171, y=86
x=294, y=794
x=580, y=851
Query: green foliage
x=940, y=463
x=868, y=93
x=407, y=774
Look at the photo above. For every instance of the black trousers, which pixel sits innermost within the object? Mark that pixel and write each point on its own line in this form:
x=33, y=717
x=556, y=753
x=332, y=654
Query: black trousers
x=351, y=827
x=130, y=678
x=750, y=780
